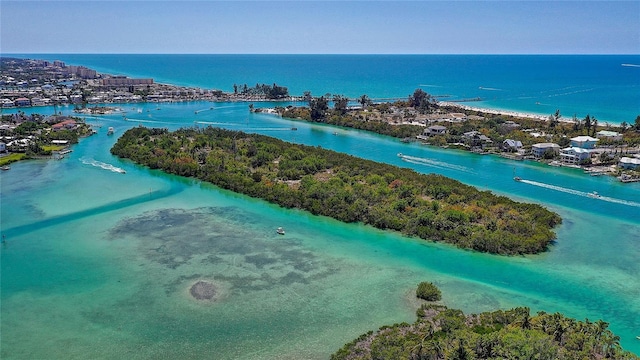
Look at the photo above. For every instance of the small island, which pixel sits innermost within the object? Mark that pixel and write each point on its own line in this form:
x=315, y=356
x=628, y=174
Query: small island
x=442, y=333
x=346, y=188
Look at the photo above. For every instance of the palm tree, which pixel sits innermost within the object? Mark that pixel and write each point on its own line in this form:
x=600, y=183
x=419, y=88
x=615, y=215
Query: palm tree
x=611, y=344
x=523, y=318
x=587, y=123
x=364, y=101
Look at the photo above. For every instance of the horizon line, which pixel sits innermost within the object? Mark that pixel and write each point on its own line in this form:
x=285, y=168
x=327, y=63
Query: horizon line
x=328, y=54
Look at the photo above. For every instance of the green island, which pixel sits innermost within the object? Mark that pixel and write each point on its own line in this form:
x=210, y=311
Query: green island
x=442, y=333
x=345, y=188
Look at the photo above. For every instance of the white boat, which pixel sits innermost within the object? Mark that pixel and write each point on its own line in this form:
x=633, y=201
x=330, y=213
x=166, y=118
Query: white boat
x=110, y=131
x=517, y=178
x=594, y=194
x=280, y=231
x=6, y=167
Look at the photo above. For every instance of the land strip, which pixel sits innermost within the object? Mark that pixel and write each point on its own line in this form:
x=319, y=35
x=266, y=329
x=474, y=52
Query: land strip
x=346, y=188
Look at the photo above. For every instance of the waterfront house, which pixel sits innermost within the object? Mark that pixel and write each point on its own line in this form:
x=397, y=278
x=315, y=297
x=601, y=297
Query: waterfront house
x=22, y=102
x=7, y=103
x=584, y=142
x=511, y=145
x=67, y=124
x=40, y=102
x=629, y=163
x=538, y=150
x=435, y=130
x=574, y=155
x=3, y=147
x=474, y=138
x=610, y=135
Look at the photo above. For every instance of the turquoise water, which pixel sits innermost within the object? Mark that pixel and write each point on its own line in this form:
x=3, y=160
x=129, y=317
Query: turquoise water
x=98, y=264
x=574, y=84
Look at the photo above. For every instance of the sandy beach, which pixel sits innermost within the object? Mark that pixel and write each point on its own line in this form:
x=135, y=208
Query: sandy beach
x=498, y=111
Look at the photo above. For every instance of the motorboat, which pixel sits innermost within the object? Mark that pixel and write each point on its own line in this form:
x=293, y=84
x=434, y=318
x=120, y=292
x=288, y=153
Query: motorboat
x=594, y=194
x=280, y=231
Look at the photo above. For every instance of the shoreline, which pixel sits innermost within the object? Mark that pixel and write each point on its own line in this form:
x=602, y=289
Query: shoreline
x=495, y=111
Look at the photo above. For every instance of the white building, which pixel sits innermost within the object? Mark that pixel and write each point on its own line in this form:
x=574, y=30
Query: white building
x=538, y=150
x=574, y=155
x=585, y=142
x=629, y=163
x=611, y=135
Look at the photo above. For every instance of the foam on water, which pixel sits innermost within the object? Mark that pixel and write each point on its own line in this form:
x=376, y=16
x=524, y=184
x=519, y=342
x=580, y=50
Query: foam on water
x=434, y=163
x=591, y=195
x=102, y=165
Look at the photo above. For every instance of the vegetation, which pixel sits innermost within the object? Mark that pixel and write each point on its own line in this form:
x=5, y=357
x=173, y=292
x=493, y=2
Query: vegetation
x=441, y=333
x=398, y=119
x=428, y=291
x=37, y=136
x=318, y=111
x=273, y=92
x=5, y=160
x=346, y=188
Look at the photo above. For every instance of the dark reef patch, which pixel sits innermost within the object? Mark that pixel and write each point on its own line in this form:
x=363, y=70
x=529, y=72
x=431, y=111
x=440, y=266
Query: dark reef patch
x=203, y=290
x=227, y=244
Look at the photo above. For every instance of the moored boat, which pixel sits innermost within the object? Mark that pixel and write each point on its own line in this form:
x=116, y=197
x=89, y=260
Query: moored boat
x=280, y=231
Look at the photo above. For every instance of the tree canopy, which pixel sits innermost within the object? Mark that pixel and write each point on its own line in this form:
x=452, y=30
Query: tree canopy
x=442, y=333
x=346, y=188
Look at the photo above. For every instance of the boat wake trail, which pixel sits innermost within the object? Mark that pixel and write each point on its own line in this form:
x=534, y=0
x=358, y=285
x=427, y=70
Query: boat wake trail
x=489, y=88
x=215, y=123
x=581, y=193
x=270, y=129
x=145, y=121
x=434, y=163
x=102, y=165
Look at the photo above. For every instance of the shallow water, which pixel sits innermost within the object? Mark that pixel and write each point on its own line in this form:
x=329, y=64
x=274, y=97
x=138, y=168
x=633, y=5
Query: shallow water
x=98, y=264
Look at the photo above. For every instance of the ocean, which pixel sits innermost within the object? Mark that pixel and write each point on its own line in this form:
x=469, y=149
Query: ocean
x=98, y=264
x=604, y=86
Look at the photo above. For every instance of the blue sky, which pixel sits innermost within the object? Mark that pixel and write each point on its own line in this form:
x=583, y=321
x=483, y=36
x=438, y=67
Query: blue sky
x=319, y=27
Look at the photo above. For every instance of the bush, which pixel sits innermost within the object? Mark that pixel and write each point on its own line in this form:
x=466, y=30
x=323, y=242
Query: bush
x=428, y=291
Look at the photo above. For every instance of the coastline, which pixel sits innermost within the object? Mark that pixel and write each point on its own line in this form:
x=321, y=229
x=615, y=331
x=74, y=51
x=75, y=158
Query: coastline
x=496, y=111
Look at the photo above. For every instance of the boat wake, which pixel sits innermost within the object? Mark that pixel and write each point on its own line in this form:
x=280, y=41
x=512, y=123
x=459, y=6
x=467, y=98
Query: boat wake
x=489, y=88
x=145, y=121
x=214, y=123
x=580, y=193
x=270, y=129
x=102, y=165
x=630, y=65
x=434, y=163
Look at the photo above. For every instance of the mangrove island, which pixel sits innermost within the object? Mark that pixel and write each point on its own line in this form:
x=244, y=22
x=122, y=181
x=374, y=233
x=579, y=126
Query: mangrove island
x=346, y=188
